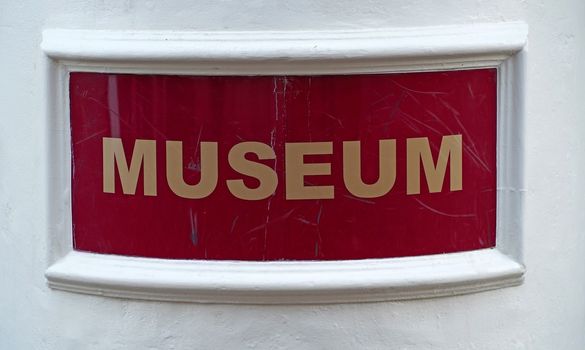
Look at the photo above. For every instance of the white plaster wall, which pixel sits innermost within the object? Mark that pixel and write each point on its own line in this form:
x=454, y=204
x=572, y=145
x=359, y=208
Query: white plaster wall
x=547, y=312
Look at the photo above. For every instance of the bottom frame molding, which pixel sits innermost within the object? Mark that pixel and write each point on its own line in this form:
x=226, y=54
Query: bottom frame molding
x=289, y=282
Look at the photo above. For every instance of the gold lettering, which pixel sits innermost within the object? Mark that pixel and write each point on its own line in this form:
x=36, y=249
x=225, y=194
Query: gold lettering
x=265, y=174
x=297, y=169
x=209, y=170
x=352, y=169
x=143, y=155
x=418, y=149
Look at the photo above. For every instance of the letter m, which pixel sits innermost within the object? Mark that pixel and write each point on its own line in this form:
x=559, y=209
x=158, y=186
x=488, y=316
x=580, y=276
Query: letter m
x=418, y=150
x=143, y=156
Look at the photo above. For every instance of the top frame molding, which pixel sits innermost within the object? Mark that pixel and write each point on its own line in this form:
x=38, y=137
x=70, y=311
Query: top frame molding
x=298, y=52
x=497, y=45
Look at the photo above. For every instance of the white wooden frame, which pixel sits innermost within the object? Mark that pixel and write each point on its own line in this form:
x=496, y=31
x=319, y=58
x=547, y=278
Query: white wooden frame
x=243, y=53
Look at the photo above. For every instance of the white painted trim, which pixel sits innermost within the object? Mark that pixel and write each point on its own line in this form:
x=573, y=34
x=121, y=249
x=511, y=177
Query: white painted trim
x=285, y=282
x=267, y=53
x=219, y=53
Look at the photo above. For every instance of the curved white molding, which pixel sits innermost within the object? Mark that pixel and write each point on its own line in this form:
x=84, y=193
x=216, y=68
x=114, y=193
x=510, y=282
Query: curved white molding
x=242, y=53
x=289, y=52
x=285, y=282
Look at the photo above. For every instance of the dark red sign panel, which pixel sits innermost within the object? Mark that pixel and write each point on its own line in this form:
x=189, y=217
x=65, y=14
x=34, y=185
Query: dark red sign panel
x=283, y=167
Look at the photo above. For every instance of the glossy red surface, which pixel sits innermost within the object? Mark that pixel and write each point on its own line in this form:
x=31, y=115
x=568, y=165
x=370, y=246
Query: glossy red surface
x=275, y=110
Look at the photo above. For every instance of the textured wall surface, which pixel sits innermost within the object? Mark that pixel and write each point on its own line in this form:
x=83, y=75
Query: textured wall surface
x=546, y=312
